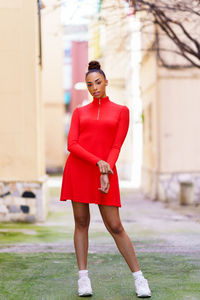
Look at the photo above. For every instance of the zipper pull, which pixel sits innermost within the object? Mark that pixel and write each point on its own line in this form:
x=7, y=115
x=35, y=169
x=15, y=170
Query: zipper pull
x=99, y=108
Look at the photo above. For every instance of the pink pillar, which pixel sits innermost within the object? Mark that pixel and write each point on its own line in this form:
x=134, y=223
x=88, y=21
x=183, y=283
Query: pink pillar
x=79, y=68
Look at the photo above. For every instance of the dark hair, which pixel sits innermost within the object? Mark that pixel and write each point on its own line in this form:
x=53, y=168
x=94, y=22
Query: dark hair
x=94, y=66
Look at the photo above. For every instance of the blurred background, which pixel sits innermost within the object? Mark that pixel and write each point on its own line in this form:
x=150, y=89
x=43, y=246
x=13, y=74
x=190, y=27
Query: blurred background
x=150, y=53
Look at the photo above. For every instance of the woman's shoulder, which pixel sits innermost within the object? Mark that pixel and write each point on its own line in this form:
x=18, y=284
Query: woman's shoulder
x=119, y=106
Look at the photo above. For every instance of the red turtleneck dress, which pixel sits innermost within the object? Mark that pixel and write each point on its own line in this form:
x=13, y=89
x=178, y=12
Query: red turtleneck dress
x=97, y=132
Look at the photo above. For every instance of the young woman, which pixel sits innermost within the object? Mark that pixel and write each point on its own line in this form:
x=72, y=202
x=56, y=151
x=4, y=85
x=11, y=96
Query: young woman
x=96, y=134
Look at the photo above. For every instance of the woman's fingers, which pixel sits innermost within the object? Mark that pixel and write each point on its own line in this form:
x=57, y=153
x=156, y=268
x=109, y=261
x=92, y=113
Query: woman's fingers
x=104, y=167
x=107, y=188
x=105, y=191
x=105, y=184
x=109, y=170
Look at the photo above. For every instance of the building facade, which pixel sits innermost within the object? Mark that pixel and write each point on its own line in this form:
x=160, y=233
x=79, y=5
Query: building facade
x=23, y=190
x=53, y=85
x=170, y=100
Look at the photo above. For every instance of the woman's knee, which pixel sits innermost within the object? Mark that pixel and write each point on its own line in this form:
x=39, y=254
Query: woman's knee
x=82, y=222
x=115, y=228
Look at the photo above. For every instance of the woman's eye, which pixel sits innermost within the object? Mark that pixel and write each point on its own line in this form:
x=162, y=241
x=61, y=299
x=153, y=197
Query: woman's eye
x=99, y=82
x=89, y=85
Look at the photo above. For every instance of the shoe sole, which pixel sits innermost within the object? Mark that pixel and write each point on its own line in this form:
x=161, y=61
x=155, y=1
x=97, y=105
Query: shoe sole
x=143, y=296
x=85, y=295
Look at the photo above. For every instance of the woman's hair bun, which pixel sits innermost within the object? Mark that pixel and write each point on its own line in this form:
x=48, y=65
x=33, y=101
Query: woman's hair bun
x=94, y=64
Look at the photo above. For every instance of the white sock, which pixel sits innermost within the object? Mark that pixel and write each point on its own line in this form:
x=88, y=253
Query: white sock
x=83, y=273
x=137, y=274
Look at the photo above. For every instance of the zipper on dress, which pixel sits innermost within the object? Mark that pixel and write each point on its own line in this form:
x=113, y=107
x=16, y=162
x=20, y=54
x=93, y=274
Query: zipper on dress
x=99, y=108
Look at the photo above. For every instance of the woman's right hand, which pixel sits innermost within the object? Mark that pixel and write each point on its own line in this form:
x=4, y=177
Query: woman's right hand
x=104, y=167
x=105, y=183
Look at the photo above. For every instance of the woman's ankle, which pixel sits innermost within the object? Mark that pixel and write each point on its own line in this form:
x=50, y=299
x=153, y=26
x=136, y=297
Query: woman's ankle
x=82, y=273
x=137, y=274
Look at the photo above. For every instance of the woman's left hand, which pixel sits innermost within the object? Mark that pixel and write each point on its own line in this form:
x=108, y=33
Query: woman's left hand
x=105, y=183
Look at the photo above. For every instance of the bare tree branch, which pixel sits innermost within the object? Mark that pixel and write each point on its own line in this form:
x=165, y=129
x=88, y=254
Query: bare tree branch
x=179, y=21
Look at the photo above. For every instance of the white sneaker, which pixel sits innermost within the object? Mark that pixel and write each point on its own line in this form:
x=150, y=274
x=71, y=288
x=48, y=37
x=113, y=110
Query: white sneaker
x=84, y=287
x=142, y=287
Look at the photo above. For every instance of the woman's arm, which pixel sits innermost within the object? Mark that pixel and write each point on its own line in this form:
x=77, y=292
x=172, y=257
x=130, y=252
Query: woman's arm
x=72, y=141
x=122, y=130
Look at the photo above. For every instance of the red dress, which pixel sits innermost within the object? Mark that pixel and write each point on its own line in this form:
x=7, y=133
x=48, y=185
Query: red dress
x=97, y=132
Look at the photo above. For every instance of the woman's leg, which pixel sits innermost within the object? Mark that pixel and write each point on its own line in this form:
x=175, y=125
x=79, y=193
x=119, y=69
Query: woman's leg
x=111, y=218
x=82, y=221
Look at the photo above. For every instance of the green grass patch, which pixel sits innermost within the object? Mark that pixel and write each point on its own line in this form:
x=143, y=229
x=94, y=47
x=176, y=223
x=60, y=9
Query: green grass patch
x=56, y=216
x=52, y=276
x=16, y=233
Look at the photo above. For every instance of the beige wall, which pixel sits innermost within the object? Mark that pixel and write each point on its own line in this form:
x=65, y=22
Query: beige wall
x=52, y=85
x=21, y=112
x=149, y=99
x=180, y=122
x=171, y=145
x=54, y=132
x=175, y=96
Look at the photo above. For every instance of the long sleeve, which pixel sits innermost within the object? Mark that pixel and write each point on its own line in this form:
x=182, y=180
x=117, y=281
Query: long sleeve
x=72, y=141
x=120, y=136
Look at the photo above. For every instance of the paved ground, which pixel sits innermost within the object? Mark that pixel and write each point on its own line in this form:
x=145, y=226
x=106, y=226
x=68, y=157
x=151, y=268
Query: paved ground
x=152, y=226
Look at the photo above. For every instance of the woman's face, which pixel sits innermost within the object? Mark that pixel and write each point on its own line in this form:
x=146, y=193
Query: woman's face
x=96, y=84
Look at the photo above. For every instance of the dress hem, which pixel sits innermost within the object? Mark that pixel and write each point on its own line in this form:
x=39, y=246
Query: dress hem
x=117, y=205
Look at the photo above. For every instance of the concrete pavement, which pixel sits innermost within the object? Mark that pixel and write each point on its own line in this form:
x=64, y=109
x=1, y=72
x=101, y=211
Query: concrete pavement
x=152, y=227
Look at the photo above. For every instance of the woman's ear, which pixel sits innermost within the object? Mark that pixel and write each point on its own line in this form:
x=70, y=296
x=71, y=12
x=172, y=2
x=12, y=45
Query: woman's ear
x=106, y=82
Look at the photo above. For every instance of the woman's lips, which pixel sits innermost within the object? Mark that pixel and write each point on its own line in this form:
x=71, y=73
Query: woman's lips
x=96, y=93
